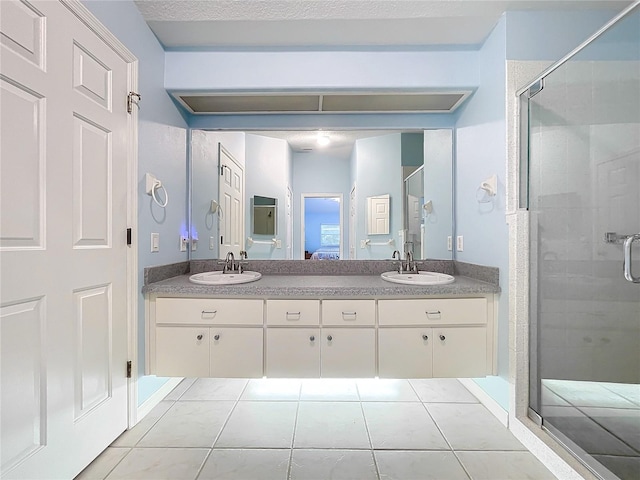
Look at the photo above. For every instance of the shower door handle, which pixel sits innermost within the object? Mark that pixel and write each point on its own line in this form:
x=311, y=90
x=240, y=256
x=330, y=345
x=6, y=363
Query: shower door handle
x=627, y=258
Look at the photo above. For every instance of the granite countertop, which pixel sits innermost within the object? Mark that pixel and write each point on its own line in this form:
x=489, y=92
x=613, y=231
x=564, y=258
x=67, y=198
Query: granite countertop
x=314, y=286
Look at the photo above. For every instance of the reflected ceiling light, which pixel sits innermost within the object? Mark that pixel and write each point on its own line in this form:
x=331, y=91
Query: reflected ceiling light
x=323, y=140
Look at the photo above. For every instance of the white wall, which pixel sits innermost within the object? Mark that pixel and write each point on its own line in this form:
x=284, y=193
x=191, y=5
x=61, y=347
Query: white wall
x=161, y=150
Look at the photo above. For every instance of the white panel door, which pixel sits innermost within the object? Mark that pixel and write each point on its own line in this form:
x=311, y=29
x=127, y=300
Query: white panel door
x=232, y=203
x=63, y=211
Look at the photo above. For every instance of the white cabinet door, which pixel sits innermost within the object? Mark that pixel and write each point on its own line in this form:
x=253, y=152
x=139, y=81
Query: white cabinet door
x=405, y=352
x=293, y=352
x=182, y=352
x=236, y=352
x=460, y=352
x=348, y=352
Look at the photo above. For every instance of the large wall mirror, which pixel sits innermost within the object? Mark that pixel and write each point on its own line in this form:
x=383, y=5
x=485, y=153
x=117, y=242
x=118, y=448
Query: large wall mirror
x=340, y=195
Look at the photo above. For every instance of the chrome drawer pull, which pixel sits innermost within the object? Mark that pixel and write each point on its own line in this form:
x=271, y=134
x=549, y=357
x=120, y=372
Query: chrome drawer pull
x=349, y=315
x=433, y=315
x=209, y=313
x=293, y=315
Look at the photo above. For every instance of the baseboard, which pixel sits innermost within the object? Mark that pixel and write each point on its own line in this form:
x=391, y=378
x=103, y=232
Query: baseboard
x=485, y=399
x=157, y=397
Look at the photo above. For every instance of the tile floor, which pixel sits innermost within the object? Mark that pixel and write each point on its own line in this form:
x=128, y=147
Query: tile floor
x=317, y=429
x=601, y=418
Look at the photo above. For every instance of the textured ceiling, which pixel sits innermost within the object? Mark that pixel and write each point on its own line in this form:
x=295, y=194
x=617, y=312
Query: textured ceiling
x=317, y=23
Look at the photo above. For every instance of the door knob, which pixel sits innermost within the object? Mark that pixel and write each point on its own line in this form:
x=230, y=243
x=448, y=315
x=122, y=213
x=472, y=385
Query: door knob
x=425, y=337
x=312, y=338
x=216, y=337
x=199, y=337
x=329, y=338
x=442, y=337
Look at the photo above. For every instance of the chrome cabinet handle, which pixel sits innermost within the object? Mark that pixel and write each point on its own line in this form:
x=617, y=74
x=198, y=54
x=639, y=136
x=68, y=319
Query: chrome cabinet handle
x=434, y=314
x=208, y=313
x=442, y=337
x=329, y=338
x=292, y=315
x=199, y=337
x=425, y=337
x=312, y=338
x=216, y=337
x=627, y=258
x=349, y=315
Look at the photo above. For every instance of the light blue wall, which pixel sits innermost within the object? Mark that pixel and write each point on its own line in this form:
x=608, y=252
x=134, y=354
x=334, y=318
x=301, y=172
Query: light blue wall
x=319, y=172
x=481, y=151
x=438, y=184
x=562, y=32
x=378, y=172
x=161, y=151
x=266, y=174
x=310, y=70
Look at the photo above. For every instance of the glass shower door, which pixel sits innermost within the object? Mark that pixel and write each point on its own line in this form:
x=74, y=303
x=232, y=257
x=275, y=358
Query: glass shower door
x=584, y=203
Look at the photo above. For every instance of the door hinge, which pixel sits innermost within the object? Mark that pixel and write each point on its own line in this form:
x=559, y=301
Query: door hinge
x=128, y=236
x=221, y=240
x=133, y=98
x=129, y=369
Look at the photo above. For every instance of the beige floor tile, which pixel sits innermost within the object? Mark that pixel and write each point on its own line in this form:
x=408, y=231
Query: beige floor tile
x=504, y=466
x=399, y=465
x=434, y=390
x=215, y=389
x=103, y=464
x=331, y=425
x=222, y=464
x=386, y=390
x=131, y=437
x=333, y=464
x=160, y=464
x=272, y=389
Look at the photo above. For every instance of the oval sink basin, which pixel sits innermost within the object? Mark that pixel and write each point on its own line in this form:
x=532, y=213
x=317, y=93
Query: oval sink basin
x=218, y=278
x=421, y=278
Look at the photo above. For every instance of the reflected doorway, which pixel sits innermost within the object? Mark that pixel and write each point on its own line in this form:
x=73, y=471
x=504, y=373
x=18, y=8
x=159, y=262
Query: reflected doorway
x=322, y=226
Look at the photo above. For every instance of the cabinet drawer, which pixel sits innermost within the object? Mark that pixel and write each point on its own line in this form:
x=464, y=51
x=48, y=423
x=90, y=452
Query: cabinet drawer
x=293, y=312
x=348, y=312
x=208, y=311
x=433, y=311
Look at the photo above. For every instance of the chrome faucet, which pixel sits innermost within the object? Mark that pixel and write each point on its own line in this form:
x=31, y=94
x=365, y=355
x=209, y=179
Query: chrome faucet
x=229, y=263
x=411, y=265
x=396, y=255
x=241, y=264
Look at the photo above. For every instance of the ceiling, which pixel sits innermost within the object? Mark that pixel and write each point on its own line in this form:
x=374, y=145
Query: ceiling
x=318, y=24
x=224, y=24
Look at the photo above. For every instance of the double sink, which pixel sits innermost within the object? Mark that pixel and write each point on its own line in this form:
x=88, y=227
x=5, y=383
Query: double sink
x=231, y=278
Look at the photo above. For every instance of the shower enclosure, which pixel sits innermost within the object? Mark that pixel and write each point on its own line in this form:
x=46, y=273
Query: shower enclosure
x=580, y=180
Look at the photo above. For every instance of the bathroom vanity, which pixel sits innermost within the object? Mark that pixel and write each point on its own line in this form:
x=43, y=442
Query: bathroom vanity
x=308, y=326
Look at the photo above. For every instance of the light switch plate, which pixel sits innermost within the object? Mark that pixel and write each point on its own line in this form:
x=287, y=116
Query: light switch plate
x=184, y=241
x=278, y=243
x=212, y=243
x=155, y=242
x=459, y=243
x=450, y=243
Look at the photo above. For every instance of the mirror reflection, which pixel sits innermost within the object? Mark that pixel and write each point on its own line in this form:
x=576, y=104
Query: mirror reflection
x=392, y=191
x=264, y=212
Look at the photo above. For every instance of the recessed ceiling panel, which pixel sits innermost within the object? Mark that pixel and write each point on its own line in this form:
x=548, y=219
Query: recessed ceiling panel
x=440, y=102
x=251, y=103
x=433, y=102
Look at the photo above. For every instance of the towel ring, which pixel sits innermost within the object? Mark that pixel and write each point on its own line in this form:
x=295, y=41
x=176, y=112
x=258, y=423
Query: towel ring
x=156, y=187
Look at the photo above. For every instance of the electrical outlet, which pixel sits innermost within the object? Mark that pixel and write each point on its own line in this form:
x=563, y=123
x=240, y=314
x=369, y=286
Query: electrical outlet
x=459, y=243
x=450, y=243
x=212, y=243
x=278, y=243
x=184, y=241
x=194, y=244
x=155, y=242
